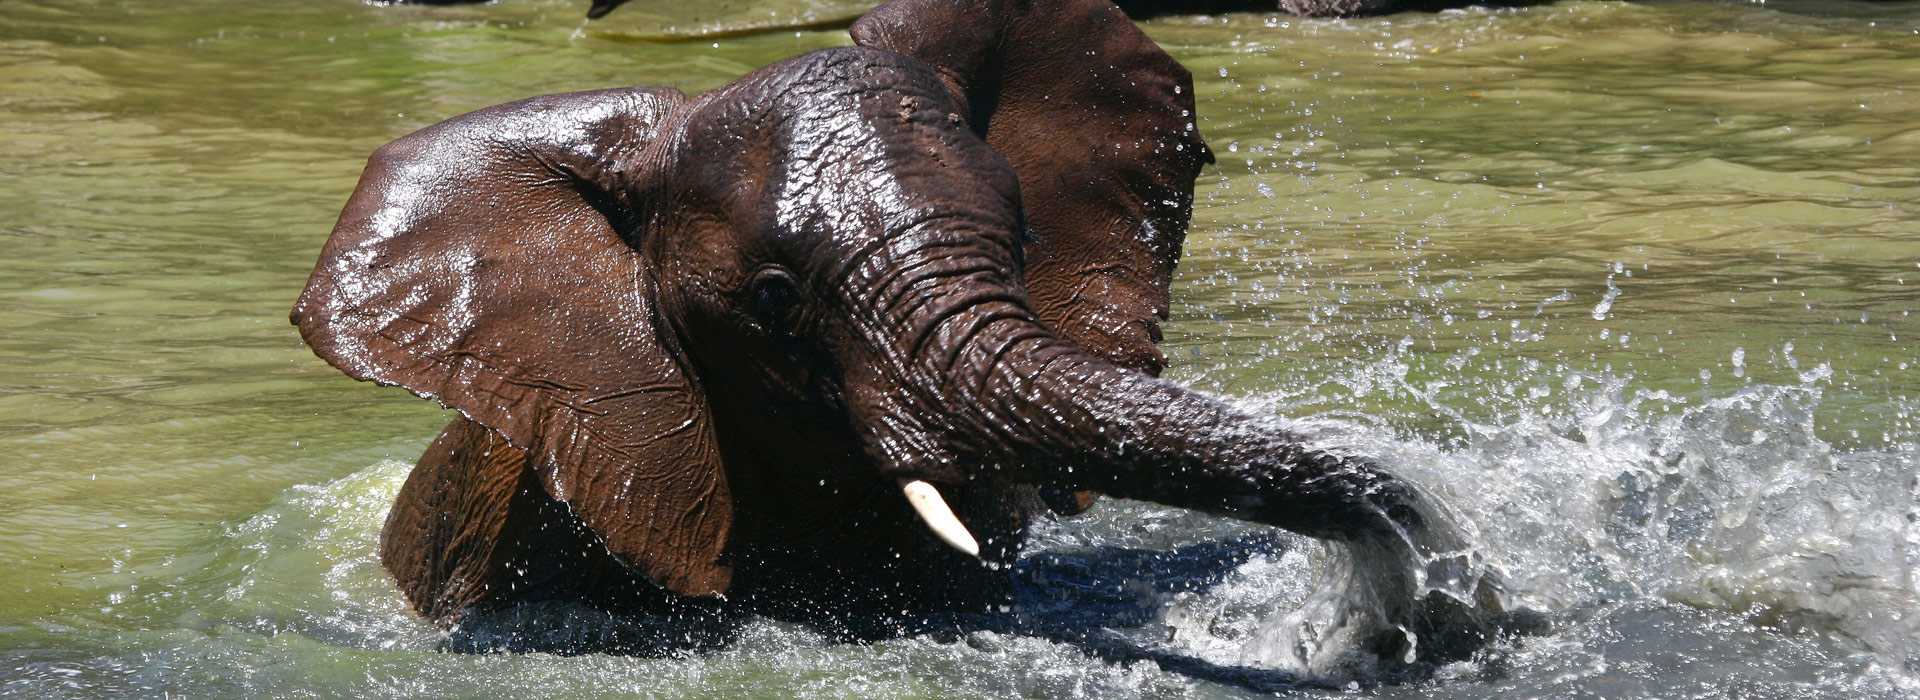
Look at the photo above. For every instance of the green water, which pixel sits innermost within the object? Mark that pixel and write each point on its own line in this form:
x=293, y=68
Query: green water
x=1411, y=233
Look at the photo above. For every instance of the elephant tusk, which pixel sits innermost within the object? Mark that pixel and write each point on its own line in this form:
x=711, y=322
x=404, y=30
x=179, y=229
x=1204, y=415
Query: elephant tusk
x=933, y=511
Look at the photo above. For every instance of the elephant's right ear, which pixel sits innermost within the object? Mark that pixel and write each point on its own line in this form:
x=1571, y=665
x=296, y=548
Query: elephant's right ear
x=488, y=262
x=1098, y=122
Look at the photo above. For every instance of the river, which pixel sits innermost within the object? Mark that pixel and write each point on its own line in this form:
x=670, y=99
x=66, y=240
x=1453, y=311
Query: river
x=1631, y=285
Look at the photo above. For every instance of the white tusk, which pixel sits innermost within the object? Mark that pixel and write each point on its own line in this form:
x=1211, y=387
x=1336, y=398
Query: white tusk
x=939, y=518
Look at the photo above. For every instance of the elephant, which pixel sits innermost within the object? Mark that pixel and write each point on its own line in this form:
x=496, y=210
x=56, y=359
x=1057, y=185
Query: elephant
x=822, y=343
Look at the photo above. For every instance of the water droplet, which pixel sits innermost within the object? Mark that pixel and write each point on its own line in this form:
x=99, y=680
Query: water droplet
x=1605, y=306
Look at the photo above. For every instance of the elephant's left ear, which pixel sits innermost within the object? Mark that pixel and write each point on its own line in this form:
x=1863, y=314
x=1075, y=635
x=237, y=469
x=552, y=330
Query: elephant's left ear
x=488, y=262
x=1098, y=122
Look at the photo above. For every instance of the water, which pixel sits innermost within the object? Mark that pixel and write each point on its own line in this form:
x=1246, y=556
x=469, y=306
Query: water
x=1631, y=285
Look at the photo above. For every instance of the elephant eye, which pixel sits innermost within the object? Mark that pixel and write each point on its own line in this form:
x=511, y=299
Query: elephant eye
x=776, y=298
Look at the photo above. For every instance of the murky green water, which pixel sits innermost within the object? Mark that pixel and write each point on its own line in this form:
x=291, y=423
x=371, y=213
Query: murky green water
x=1635, y=283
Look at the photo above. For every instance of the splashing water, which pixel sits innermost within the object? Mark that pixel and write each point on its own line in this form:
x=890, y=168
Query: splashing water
x=1605, y=306
x=1645, y=526
x=1636, y=501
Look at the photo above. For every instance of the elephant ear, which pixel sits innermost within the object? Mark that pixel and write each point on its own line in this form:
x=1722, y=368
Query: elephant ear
x=1098, y=122
x=488, y=262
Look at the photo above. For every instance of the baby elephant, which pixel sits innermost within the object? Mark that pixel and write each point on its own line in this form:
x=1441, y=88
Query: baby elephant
x=816, y=344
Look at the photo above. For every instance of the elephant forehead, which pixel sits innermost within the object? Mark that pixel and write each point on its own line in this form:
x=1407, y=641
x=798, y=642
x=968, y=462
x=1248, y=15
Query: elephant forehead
x=844, y=140
x=819, y=86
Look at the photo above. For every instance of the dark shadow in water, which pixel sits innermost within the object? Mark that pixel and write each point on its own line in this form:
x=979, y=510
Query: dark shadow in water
x=1077, y=597
x=1083, y=598
x=1104, y=601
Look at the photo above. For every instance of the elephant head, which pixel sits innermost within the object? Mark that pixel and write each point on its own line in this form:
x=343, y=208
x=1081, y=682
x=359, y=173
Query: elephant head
x=716, y=326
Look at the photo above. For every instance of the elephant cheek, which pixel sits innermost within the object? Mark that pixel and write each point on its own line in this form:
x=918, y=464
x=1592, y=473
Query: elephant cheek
x=902, y=437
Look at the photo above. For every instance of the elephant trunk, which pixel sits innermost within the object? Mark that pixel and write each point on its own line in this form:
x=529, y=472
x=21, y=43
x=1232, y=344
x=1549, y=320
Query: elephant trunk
x=978, y=387
x=1412, y=586
x=977, y=382
x=1076, y=421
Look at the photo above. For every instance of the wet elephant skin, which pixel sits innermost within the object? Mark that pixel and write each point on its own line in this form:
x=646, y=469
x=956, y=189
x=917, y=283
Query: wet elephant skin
x=697, y=342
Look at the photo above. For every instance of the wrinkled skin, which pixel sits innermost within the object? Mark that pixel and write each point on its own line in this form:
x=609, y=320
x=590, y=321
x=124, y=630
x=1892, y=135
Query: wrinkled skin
x=695, y=341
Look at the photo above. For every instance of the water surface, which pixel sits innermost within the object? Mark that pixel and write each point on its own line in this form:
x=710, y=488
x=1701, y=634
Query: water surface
x=1634, y=284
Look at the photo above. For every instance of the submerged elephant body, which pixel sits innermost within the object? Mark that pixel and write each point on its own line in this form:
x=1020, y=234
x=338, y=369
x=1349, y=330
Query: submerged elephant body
x=699, y=343
x=456, y=562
